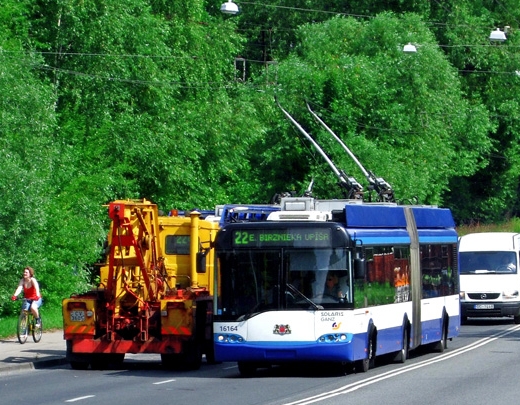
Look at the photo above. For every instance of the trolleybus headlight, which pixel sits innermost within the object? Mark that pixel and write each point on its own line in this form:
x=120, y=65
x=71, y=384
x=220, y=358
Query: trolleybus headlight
x=230, y=338
x=333, y=338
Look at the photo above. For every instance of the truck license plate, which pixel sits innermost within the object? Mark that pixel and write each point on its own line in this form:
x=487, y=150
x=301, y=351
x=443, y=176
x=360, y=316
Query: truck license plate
x=77, y=316
x=484, y=306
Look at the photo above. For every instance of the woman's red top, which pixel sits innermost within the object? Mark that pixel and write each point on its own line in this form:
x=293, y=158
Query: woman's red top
x=30, y=293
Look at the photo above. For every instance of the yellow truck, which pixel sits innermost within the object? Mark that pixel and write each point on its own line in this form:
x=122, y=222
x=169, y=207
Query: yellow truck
x=155, y=292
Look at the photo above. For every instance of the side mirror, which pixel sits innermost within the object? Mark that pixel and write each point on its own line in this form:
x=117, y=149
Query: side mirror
x=360, y=268
x=201, y=262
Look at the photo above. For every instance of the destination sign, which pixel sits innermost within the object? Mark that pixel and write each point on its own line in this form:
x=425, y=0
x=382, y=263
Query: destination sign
x=297, y=237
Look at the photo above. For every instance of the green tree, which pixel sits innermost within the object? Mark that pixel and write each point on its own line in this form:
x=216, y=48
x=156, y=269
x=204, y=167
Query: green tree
x=132, y=77
x=147, y=99
x=28, y=157
x=394, y=110
x=488, y=73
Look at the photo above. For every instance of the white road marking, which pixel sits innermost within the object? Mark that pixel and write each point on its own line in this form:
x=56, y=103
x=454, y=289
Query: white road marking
x=229, y=368
x=371, y=380
x=80, y=398
x=163, y=382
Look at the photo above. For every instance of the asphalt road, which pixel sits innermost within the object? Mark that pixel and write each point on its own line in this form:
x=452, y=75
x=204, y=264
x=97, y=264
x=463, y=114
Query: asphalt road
x=479, y=367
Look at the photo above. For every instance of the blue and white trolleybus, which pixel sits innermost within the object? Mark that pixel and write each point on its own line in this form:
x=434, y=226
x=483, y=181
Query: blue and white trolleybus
x=338, y=281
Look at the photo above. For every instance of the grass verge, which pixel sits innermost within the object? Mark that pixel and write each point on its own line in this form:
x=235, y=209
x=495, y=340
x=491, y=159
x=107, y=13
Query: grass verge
x=51, y=319
x=512, y=225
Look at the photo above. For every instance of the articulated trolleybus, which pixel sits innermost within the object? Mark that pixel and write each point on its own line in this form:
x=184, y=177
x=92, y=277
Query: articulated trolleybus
x=337, y=281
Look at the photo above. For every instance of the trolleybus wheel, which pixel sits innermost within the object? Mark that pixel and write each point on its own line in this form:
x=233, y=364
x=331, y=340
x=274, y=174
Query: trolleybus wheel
x=369, y=362
x=443, y=343
x=402, y=354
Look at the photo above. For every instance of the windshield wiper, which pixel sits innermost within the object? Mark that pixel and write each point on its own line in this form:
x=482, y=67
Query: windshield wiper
x=249, y=314
x=308, y=300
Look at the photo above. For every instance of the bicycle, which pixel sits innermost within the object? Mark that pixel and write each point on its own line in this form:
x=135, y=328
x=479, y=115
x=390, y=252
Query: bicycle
x=27, y=325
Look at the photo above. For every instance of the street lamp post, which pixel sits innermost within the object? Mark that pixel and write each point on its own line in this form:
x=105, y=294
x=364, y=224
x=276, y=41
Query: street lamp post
x=229, y=7
x=409, y=48
x=497, y=35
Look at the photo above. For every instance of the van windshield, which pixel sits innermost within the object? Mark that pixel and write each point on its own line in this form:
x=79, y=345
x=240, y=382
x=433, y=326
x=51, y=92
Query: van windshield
x=487, y=262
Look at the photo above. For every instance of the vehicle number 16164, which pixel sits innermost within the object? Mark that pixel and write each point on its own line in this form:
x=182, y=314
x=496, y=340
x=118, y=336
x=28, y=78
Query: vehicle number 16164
x=228, y=328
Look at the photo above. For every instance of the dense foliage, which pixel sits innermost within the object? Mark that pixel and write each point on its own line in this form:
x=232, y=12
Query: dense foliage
x=177, y=103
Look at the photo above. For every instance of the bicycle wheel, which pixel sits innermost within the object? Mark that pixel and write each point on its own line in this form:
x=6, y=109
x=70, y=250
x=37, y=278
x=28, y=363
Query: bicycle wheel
x=22, y=329
x=37, y=330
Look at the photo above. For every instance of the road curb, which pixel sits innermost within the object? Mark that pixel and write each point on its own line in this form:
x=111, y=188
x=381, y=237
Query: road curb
x=33, y=365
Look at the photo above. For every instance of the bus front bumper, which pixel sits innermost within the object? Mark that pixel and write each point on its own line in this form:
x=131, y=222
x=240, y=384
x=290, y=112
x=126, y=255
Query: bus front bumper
x=489, y=309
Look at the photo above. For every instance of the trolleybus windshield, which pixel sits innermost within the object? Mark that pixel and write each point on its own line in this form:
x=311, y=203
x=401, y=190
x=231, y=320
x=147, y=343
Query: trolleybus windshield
x=255, y=281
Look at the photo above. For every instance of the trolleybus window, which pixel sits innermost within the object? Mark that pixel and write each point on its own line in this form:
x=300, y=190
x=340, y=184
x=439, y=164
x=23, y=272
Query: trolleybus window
x=254, y=281
x=439, y=270
x=388, y=277
x=250, y=283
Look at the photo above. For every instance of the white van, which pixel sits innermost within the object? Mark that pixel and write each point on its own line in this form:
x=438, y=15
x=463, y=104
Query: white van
x=489, y=276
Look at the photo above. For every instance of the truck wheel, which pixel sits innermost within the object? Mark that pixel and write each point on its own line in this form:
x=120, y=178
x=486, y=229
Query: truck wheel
x=192, y=357
x=170, y=361
x=189, y=359
x=210, y=353
x=78, y=361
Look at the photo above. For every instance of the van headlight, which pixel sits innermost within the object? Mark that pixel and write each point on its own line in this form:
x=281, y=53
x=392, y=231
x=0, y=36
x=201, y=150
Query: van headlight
x=510, y=294
x=462, y=295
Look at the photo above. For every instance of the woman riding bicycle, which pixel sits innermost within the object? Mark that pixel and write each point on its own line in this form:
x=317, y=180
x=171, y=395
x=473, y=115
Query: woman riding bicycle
x=31, y=292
